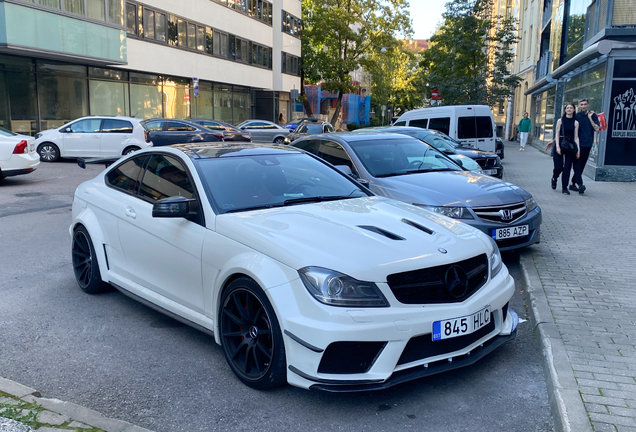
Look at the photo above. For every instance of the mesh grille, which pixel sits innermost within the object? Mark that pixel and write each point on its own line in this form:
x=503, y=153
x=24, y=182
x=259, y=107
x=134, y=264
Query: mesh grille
x=427, y=286
x=505, y=213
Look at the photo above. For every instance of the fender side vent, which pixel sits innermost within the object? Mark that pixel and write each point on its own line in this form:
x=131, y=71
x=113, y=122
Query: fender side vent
x=380, y=231
x=106, y=256
x=418, y=226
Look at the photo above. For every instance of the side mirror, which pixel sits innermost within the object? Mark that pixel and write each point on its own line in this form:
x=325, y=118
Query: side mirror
x=459, y=162
x=67, y=130
x=345, y=169
x=174, y=207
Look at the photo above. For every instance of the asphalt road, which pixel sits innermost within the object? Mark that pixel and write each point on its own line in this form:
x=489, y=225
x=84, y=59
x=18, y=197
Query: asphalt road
x=120, y=358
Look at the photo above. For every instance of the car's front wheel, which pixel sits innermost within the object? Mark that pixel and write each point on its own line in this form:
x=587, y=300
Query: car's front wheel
x=85, y=263
x=129, y=150
x=48, y=152
x=251, y=336
x=279, y=140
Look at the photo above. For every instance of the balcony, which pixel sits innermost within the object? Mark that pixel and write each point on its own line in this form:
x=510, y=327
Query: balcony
x=543, y=66
x=547, y=13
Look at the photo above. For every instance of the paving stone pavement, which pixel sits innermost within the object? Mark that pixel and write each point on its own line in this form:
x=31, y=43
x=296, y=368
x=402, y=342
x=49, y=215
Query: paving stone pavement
x=586, y=267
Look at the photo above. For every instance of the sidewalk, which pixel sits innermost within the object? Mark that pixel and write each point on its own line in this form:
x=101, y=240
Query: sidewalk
x=582, y=283
x=51, y=415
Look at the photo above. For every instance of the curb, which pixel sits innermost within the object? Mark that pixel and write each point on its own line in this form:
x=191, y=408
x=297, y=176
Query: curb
x=66, y=409
x=563, y=393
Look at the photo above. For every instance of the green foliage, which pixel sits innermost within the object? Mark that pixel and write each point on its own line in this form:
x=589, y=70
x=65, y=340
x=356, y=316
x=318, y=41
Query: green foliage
x=20, y=412
x=339, y=35
x=469, y=55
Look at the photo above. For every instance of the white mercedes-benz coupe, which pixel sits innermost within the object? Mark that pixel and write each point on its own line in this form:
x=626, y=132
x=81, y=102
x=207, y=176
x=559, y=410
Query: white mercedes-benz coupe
x=302, y=274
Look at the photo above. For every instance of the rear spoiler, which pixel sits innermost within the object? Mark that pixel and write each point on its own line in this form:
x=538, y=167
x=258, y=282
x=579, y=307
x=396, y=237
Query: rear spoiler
x=108, y=161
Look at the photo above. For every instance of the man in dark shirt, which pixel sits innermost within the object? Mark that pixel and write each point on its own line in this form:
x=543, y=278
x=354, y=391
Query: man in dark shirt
x=588, y=125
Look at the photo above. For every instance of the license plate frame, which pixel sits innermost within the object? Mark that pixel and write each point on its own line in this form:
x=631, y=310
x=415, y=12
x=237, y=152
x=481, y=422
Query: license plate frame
x=461, y=326
x=490, y=171
x=510, y=232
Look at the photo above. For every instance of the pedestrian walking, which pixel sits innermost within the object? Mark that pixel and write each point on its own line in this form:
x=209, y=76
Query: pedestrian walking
x=281, y=119
x=566, y=148
x=524, y=128
x=588, y=125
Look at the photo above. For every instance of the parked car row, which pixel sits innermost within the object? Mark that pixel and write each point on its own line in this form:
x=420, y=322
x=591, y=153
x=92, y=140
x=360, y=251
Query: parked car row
x=17, y=154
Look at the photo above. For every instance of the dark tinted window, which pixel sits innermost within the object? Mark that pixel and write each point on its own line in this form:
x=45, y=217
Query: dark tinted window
x=212, y=125
x=117, y=126
x=484, y=127
x=333, y=153
x=441, y=124
x=165, y=177
x=256, y=125
x=422, y=123
x=179, y=127
x=126, y=176
x=312, y=129
x=466, y=127
x=401, y=123
x=309, y=145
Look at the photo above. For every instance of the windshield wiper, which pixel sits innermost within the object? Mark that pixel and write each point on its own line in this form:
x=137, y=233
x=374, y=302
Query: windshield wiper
x=430, y=170
x=258, y=207
x=317, y=199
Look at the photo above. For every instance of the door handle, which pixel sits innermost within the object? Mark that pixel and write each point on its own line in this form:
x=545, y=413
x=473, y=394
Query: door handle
x=130, y=212
x=481, y=140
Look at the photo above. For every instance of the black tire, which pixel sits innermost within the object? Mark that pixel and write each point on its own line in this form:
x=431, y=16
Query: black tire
x=279, y=140
x=48, y=152
x=85, y=263
x=129, y=150
x=251, y=337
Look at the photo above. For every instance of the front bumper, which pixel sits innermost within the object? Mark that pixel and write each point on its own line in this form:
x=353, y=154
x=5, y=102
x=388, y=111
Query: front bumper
x=533, y=219
x=399, y=332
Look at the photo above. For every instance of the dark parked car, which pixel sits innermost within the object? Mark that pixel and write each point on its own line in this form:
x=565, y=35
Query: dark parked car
x=500, y=147
x=407, y=169
x=163, y=132
x=489, y=162
x=230, y=133
x=309, y=127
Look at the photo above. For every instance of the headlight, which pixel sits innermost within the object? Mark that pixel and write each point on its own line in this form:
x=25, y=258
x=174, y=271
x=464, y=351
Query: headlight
x=38, y=135
x=452, y=212
x=531, y=204
x=496, y=263
x=336, y=289
x=287, y=140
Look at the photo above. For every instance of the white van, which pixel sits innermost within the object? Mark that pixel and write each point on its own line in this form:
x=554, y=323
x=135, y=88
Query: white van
x=471, y=125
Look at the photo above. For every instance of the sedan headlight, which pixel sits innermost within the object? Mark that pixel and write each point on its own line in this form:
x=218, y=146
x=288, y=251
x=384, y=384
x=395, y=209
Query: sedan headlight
x=452, y=212
x=337, y=289
x=38, y=135
x=496, y=263
x=531, y=204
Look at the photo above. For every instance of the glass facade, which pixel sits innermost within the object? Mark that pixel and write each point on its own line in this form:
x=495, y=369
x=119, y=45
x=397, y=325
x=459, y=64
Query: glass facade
x=544, y=117
x=65, y=92
x=589, y=85
x=576, y=27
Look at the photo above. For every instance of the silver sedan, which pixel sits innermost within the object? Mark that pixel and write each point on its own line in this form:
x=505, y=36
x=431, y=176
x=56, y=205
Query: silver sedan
x=264, y=131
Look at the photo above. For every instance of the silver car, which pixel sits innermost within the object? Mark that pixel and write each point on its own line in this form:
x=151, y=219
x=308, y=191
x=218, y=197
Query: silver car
x=264, y=131
x=409, y=170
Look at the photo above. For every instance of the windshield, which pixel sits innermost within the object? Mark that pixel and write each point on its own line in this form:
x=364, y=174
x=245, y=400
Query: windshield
x=6, y=132
x=243, y=183
x=401, y=156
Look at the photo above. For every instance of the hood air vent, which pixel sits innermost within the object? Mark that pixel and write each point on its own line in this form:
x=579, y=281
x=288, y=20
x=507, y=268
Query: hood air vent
x=418, y=226
x=380, y=231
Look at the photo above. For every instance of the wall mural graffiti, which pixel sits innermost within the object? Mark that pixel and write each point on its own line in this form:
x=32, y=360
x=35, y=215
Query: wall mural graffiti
x=624, y=110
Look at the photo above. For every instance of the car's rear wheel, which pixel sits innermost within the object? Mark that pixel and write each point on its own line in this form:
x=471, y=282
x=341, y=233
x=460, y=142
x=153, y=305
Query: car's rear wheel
x=279, y=140
x=251, y=336
x=48, y=152
x=129, y=150
x=85, y=263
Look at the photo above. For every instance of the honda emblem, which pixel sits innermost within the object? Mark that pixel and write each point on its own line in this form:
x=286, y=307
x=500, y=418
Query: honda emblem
x=506, y=215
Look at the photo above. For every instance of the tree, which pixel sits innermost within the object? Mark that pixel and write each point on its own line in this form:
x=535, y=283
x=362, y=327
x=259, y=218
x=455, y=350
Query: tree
x=340, y=35
x=469, y=55
x=396, y=79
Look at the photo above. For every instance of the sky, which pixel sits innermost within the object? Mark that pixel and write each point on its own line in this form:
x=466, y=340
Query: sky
x=425, y=15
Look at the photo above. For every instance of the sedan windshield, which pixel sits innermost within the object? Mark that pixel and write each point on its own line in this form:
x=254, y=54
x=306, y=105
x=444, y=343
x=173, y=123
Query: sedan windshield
x=386, y=158
x=242, y=183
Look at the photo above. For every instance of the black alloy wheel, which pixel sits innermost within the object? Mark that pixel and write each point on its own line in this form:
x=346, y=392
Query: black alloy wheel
x=251, y=337
x=279, y=140
x=130, y=150
x=48, y=152
x=85, y=263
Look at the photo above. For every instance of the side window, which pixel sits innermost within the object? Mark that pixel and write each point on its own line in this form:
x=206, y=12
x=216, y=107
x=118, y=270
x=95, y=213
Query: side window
x=484, y=127
x=308, y=145
x=213, y=126
x=154, y=126
x=256, y=125
x=466, y=127
x=441, y=124
x=117, y=126
x=269, y=126
x=165, y=177
x=333, y=153
x=421, y=123
x=126, y=176
x=179, y=127
x=401, y=123
x=86, y=126
x=303, y=129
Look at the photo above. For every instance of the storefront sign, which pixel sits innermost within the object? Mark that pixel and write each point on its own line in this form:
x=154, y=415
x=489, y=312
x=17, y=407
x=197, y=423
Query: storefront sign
x=621, y=133
x=624, y=113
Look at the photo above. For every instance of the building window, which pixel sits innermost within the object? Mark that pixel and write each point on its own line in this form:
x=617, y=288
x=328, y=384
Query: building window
x=182, y=29
x=96, y=9
x=209, y=38
x=131, y=18
x=149, y=23
x=291, y=25
x=172, y=30
x=290, y=64
x=160, y=27
x=50, y=3
x=192, y=36
x=74, y=6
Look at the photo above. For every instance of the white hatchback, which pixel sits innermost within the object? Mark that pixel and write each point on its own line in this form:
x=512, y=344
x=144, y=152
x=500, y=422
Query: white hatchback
x=17, y=154
x=94, y=136
x=302, y=275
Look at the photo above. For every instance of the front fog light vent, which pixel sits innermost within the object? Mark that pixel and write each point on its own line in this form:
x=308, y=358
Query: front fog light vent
x=350, y=357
